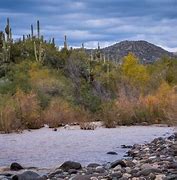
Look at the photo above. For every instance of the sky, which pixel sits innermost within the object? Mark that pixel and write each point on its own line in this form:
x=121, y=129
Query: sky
x=93, y=21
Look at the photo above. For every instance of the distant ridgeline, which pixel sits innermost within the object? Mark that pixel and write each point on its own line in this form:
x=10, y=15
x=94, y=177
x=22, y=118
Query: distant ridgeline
x=144, y=51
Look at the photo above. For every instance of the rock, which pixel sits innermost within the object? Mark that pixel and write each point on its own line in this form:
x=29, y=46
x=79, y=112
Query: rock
x=126, y=146
x=128, y=170
x=146, y=172
x=116, y=175
x=55, y=129
x=15, y=167
x=72, y=171
x=152, y=176
x=56, y=172
x=146, y=166
x=117, y=168
x=111, y=153
x=99, y=169
x=93, y=165
x=27, y=175
x=133, y=153
x=126, y=175
x=123, y=178
x=81, y=177
x=3, y=178
x=93, y=178
x=116, y=163
x=70, y=165
x=129, y=163
x=171, y=177
x=172, y=165
x=160, y=177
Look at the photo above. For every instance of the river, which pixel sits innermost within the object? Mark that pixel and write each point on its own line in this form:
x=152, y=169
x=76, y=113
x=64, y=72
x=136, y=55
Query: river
x=48, y=148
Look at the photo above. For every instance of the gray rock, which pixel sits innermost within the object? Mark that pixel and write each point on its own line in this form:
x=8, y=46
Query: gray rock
x=70, y=165
x=15, y=167
x=171, y=177
x=116, y=175
x=100, y=169
x=56, y=172
x=93, y=165
x=27, y=175
x=81, y=177
x=72, y=171
x=118, y=162
x=172, y=165
x=111, y=153
x=126, y=146
x=129, y=163
x=146, y=172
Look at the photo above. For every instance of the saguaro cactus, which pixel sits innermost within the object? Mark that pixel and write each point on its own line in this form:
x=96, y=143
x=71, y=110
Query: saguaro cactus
x=23, y=38
x=7, y=44
x=38, y=29
x=82, y=46
x=104, y=59
x=1, y=40
x=53, y=42
x=98, y=53
x=38, y=52
x=32, y=31
x=7, y=30
x=11, y=35
x=4, y=48
x=65, y=43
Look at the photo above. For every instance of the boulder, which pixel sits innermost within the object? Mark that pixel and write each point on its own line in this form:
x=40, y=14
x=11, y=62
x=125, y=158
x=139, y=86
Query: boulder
x=28, y=175
x=118, y=162
x=70, y=165
x=15, y=167
x=93, y=165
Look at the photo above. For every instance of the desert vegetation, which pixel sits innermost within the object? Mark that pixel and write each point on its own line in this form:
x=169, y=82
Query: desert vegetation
x=40, y=84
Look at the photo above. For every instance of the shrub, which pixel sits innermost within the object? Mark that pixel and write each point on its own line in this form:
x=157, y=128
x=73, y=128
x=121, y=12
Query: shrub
x=8, y=119
x=61, y=112
x=109, y=114
x=125, y=106
x=28, y=109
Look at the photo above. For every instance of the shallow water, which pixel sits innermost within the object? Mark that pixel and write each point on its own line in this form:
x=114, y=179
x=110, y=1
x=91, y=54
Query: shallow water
x=46, y=148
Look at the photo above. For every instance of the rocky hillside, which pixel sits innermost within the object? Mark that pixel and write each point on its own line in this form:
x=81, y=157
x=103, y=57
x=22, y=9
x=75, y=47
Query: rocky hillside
x=144, y=50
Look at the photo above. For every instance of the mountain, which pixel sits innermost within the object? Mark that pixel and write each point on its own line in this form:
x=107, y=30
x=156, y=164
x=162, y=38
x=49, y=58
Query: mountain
x=145, y=51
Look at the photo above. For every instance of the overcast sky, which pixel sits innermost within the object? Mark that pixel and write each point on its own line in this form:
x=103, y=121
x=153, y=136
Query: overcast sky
x=90, y=21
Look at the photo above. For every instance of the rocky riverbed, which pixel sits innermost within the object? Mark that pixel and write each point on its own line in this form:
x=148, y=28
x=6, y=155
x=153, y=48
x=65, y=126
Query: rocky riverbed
x=156, y=160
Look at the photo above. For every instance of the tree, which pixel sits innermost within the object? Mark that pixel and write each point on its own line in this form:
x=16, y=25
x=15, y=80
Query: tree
x=134, y=72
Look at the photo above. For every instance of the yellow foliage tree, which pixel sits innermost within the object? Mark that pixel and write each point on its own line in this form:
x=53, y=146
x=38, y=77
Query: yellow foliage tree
x=134, y=72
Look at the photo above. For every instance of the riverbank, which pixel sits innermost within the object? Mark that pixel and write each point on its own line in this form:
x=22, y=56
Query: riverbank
x=155, y=160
